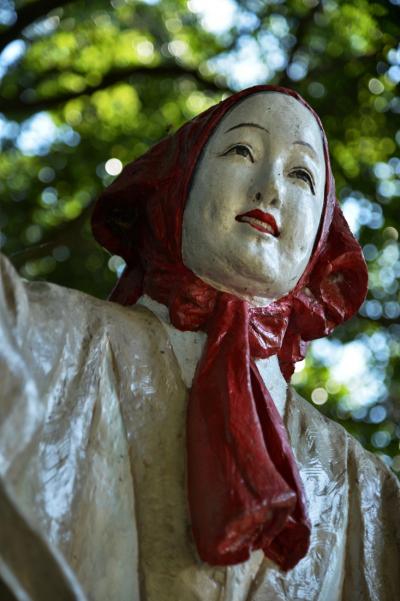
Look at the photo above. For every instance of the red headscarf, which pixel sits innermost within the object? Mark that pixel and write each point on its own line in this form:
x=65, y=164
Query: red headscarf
x=244, y=488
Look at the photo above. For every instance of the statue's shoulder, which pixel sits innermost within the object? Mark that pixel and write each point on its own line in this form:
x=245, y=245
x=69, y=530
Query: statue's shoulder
x=132, y=331
x=309, y=428
x=133, y=322
x=353, y=501
x=30, y=308
x=315, y=436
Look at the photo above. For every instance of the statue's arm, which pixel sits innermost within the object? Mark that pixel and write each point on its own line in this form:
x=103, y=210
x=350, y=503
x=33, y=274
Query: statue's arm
x=21, y=404
x=30, y=569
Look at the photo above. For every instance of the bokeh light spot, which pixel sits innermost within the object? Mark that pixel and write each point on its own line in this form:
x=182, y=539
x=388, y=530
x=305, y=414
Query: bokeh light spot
x=377, y=414
x=380, y=439
x=396, y=463
x=145, y=49
x=61, y=253
x=316, y=89
x=46, y=175
x=113, y=166
x=33, y=233
x=116, y=264
x=319, y=396
x=391, y=232
x=375, y=86
x=370, y=252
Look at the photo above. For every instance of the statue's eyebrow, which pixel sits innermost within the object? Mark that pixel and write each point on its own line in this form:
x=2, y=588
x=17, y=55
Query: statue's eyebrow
x=266, y=130
x=306, y=144
x=247, y=125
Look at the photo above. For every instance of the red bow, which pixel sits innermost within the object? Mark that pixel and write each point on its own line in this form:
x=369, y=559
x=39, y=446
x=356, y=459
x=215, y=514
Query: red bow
x=244, y=489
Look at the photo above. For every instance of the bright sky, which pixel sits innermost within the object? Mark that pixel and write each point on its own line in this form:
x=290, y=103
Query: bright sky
x=349, y=365
x=217, y=16
x=10, y=54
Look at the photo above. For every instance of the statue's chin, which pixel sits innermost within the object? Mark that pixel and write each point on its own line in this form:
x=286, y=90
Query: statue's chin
x=251, y=295
x=256, y=278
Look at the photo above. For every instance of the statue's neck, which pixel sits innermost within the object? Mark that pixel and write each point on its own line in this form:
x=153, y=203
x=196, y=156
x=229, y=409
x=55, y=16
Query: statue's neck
x=188, y=347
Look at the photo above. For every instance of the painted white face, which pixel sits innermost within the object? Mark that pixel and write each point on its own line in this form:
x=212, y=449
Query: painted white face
x=256, y=200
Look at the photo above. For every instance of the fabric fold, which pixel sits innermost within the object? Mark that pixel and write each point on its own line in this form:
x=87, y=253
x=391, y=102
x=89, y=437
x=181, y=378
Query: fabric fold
x=242, y=478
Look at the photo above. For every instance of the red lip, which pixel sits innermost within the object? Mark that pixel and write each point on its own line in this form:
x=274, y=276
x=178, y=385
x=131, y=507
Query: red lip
x=261, y=216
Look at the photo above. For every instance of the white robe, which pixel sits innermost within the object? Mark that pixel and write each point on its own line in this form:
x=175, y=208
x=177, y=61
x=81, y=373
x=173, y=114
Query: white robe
x=92, y=470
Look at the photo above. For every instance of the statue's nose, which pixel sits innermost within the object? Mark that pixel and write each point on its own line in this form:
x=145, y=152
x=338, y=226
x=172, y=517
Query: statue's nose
x=269, y=192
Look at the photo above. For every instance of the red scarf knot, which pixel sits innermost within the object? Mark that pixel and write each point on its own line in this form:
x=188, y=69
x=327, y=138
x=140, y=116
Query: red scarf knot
x=238, y=449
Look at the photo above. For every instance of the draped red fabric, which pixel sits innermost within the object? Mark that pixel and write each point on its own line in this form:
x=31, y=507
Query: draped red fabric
x=244, y=487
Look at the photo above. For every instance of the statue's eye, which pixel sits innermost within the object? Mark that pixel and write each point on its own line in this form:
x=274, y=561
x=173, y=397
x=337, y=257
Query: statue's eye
x=241, y=150
x=304, y=175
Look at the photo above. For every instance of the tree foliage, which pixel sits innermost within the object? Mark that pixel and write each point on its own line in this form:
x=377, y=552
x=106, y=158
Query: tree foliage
x=89, y=85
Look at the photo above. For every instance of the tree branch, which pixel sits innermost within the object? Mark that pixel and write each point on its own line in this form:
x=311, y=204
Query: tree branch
x=358, y=324
x=245, y=31
x=16, y=107
x=384, y=322
x=26, y=15
x=67, y=232
x=301, y=32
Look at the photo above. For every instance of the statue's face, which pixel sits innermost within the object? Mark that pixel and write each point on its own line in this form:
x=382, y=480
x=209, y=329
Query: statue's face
x=256, y=200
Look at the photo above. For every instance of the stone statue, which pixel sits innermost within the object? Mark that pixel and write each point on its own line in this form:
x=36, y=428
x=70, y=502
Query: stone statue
x=150, y=447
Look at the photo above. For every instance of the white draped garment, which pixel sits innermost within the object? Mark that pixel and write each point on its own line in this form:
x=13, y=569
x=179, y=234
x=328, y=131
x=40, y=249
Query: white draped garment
x=92, y=469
